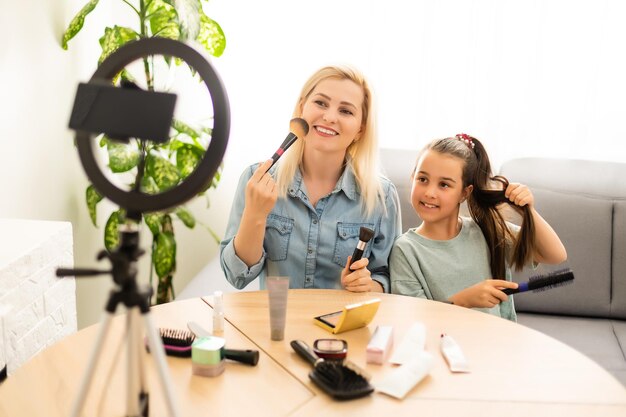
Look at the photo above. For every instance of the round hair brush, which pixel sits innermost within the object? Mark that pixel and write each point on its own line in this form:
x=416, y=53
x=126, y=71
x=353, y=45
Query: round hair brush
x=334, y=377
x=298, y=128
x=365, y=235
x=543, y=282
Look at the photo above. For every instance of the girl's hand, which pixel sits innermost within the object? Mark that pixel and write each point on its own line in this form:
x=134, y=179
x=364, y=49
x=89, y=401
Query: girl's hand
x=485, y=294
x=357, y=278
x=261, y=192
x=519, y=194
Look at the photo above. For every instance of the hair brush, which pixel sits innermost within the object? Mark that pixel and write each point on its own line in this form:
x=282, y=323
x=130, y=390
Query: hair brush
x=297, y=128
x=543, y=282
x=334, y=377
x=178, y=343
x=365, y=235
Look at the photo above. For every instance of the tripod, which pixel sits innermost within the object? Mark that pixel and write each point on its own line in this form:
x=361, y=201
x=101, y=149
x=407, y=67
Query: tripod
x=124, y=273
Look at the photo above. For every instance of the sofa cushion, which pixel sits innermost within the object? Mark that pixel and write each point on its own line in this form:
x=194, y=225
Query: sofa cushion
x=618, y=302
x=592, y=178
x=397, y=165
x=584, y=226
x=602, y=340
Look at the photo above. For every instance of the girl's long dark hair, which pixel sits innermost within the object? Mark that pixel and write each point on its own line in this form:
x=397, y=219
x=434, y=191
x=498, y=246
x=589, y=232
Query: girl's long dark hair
x=485, y=201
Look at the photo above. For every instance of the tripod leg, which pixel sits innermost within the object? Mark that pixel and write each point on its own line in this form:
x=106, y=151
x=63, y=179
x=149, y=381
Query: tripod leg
x=157, y=352
x=91, y=365
x=143, y=397
x=132, y=364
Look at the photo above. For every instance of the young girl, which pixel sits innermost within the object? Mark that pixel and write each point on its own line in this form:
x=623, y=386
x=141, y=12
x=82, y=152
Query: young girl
x=302, y=218
x=466, y=261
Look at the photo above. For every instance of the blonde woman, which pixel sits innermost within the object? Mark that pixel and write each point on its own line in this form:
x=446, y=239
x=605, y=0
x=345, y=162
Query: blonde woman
x=302, y=218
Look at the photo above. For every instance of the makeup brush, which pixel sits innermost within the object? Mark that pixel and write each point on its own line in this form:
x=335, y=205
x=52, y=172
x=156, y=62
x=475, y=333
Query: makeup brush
x=298, y=128
x=335, y=378
x=543, y=282
x=365, y=235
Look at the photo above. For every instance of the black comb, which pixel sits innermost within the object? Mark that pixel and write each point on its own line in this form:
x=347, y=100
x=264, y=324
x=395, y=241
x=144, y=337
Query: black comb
x=543, y=282
x=333, y=377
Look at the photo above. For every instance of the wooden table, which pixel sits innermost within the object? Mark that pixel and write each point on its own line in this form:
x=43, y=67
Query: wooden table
x=515, y=370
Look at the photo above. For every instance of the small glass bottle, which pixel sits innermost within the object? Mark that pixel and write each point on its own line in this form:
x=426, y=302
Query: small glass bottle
x=218, y=313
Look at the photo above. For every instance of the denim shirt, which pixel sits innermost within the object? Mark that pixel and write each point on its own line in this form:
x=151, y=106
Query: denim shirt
x=310, y=244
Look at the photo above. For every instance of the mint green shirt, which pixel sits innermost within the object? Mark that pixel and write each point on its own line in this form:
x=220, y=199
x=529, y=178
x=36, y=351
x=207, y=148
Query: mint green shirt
x=437, y=269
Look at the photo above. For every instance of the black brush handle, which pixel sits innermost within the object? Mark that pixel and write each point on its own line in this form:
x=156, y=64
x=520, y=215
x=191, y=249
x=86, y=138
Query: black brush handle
x=360, y=247
x=358, y=254
x=304, y=351
x=289, y=140
x=248, y=356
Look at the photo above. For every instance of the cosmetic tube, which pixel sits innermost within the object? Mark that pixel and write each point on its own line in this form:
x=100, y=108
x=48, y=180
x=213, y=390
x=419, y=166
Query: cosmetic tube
x=379, y=346
x=277, y=290
x=453, y=354
x=402, y=379
x=218, y=313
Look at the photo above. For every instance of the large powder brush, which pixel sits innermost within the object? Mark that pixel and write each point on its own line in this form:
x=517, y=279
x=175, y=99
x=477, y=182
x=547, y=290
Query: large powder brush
x=298, y=128
x=365, y=235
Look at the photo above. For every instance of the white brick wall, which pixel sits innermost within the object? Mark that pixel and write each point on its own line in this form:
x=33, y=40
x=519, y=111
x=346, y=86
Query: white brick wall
x=36, y=308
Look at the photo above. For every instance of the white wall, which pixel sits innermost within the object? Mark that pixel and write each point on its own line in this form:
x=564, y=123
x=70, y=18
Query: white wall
x=527, y=77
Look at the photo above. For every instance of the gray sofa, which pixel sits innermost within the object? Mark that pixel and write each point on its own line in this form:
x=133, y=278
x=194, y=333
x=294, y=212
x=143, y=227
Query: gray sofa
x=585, y=202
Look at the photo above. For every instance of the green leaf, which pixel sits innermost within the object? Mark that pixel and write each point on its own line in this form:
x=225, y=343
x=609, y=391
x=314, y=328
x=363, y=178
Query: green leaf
x=113, y=38
x=213, y=183
x=218, y=176
x=187, y=158
x=77, y=22
x=93, y=197
x=211, y=36
x=189, y=12
x=111, y=233
x=122, y=157
x=207, y=130
x=164, y=254
x=163, y=20
x=153, y=221
x=186, y=217
x=182, y=127
x=165, y=174
x=149, y=185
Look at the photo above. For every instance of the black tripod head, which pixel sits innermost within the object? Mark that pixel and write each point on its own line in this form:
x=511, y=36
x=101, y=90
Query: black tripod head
x=123, y=270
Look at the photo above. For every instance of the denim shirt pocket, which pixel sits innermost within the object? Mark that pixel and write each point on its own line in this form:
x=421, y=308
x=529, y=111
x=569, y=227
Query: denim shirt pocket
x=347, y=239
x=277, y=233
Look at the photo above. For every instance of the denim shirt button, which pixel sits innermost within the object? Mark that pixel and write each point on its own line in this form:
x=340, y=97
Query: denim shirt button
x=310, y=251
x=314, y=221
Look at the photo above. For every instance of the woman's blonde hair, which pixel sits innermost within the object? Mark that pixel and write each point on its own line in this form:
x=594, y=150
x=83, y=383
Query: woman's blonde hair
x=363, y=153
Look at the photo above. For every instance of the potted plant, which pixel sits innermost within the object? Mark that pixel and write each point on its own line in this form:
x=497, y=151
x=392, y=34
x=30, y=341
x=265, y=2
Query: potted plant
x=169, y=163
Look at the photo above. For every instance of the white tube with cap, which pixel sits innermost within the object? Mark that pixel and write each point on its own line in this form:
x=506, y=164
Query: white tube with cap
x=218, y=313
x=453, y=354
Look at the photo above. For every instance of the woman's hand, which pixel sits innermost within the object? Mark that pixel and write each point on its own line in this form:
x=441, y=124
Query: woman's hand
x=520, y=195
x=261, y=192
x=261, y=195
x=357, y=278
x=485, y=294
